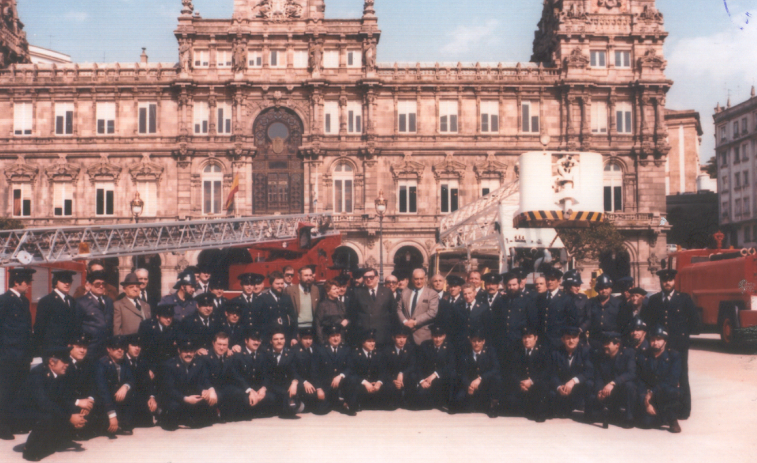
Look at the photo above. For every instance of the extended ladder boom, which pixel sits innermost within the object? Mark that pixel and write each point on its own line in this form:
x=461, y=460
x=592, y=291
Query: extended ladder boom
x=61, y=244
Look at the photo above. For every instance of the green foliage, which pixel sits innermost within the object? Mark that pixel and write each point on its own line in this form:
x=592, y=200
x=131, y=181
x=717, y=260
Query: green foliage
x=712, y=167
x=694, y=230
x=10, y=224
x=586, y=244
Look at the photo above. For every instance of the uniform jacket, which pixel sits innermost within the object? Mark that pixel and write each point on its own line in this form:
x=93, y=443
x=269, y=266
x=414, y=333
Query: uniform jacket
x=284, y=371
x=235, y=332
x=80, y=378
x=660, y=374
x=159, y=343
x=510, y=314
x=367, y=314
x=602, y=318
x=581, y=301
x=219, y=369
x=275, y=311
x=44, y=393
x=305, y=359
x=485, y=366
x=293, y=291
x=464, y=321
x=327, y=313
x=194, y=328
x=182, y=309
x=621, y=369
x=108, y=381
x=362, y=368
x=402, y=362
x=581, y=367
x=15, y=328
x=679, y=317
x=328, y=364
x=446, y=311
x=535, y=367
x=55, y=322
x=144, y=386
x=180, y=379
x=426, y=308
x=93, y=320
x=441, y=361
x=249, y=314
x=252, y=370
x=552, y=316
x=126, y=317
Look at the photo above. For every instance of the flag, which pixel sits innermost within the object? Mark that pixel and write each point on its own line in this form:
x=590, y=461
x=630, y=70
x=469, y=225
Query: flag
x=230, y=199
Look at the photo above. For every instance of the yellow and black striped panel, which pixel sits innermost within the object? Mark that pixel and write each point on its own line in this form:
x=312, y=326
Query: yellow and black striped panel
x=526, y=219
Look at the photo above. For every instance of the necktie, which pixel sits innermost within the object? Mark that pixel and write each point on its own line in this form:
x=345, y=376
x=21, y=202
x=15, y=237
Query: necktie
x=278, y=359
x=118, y=372
x=369, y=355
x=549, y=296
x=413, y=304
x=373, y=294
x=341, y=299
x=144, y=296
x=139, y=308
x=101, y=303
x=491, y=298
x=469, y=307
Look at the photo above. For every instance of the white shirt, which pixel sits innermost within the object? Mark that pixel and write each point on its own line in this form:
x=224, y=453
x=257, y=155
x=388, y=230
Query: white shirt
x=554, y=293
x=62, y=296
x=17, y=295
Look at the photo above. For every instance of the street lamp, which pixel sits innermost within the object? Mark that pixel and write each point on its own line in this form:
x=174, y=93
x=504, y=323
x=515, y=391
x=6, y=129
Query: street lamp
x=137, y=205
x=380, y=210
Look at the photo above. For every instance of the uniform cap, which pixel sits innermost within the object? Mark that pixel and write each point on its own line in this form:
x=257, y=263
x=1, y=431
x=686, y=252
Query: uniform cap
x=625, y=283
x=216, y=283
x=611, y=336
x=476, y=333
x=134, y=339
x=205, y=299
x=307, y=331
x=553, y=273
x=638, y=290
x=81, y=339
x=492, y=278
x=187, y=345
x=667, y=274
x=116, y=341
x=455, y=280
x=437, y=330
x=571, y=330
x=658, y=332
x=603, y=281
x=22, y=272
x=185, y=278
x=232, y=306
x=328, y=330
x=402, y=330
x=367, y=334
x=253, y=333
x=251, y=278
x=58, y=353
x=527, y=330
x=165, y=309
x=520, y=272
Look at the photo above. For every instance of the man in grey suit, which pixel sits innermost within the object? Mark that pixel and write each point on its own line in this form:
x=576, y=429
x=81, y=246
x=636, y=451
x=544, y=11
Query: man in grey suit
x=418, y=307
x=94, y=314
x=305, y=296
x=372, y=308
x=129, y=311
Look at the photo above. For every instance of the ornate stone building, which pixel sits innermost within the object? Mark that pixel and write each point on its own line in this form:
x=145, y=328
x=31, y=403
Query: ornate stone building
x=297, y=107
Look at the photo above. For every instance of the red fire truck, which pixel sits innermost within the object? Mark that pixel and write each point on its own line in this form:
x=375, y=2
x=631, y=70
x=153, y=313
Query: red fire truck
x=723, y=284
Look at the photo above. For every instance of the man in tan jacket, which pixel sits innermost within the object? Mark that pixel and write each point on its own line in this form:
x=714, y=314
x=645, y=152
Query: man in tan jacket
x=305, y=296
x=129, y=311
x=418, y=306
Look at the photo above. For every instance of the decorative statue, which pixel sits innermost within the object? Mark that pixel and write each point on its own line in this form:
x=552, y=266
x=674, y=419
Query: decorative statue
x=185, y=56
x=239, y=57
x=370, y=55
x=316, y=57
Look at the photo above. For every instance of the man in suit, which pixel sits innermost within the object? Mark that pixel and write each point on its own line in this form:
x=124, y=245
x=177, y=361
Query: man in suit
x=470, y=316
x=436, y=372
x=201, y=326
x=330, y=370
x=400, y=368
x=143, y=275
x=392, y=283
x=43, y=406
x=366, y=373
x=572, y=377
x=288, y=272
x=418, y=307
x=220, y=371
x=603, y=313
x=94, y=314
x=274, y=310
x=284, y=380
x=437, y=284
x=115, y=385
x=183, y=299
x=217, y=289
x=675, y=311
x=252, y=372
x=555, y=310
x=480, y=378
x=510, y=314
x=96, y=265
x=450, y=302
x=614, y=383
x=304, y=296
x=659, y=373
x=55, y=323
x=145, y=390
x=204, y=276
x=185, y=391
x=131, y=310
x=527, y=378
x=372, y=308
x=252, y=288
x=16, y=349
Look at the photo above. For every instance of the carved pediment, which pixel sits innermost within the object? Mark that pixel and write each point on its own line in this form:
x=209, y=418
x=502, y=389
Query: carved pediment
x=577, y=59
x=490, y=168
x=449, y=168
x=146, y=172
x=104, y=171
x=652, y=60
x=21, y=173
x=407, y=169
x=63, y=172
x=650, y=14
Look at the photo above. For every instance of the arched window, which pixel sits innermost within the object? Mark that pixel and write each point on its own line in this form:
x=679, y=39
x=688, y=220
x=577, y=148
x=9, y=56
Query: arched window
x=212, y=187
x=343, y=190
x=613, y=182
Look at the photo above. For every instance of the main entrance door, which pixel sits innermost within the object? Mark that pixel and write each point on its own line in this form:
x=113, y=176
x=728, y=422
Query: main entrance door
x=277, y=173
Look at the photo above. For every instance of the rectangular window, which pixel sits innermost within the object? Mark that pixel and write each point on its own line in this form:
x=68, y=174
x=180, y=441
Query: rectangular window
x=104, y=199
x=745, y=152
x=735, y=129
x=331, y=59
x=148, y=192
x=737, y=208
x=598, y=117
x=598, y=59
x=63, y=199
x=449, y=197
x=22, y=200
x=354, y=117
x=724, y=183
x=354, y=59
x=201, y=58
x=613, y=199
x=736, y=155
x=255, y=59
x=300, y=59
x=623, y=120
x=745, y=176
x=64, y=118
x=622, y=59
x=723, y=159
x=201, y=116
x=488, y=186
x=448, y=116
x=722, y=133
x=331, y=117
x=407, y=197
x=148, y=122
x=223, y=58
x=743, y=125
x=746, y=211
x=106, y=118
x=407, y=111
x=343, y=196
x=223, y=118
x=211, y=192
x=278, y=59
x=22, y=119
x=724, y=209
x=737, y=180
x=530, y=117
x=489, y=116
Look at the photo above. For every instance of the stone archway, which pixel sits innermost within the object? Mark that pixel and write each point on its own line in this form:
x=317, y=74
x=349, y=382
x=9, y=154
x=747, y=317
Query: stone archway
x=408, y=258
x=278, y=173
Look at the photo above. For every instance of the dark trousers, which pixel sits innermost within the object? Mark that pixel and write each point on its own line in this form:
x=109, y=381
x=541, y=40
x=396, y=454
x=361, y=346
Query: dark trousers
x=309, y=400
x=358, y=397
x=142, y=415
x=181, y=413
x=13, y=373
x=439, y=395
x=48, y=432
x=125, y=413
x=685, y=408
x=396, y=398
x=563, y=406
x=489, y=390
x=623, y=396
x=530, y=404
x=333, y=398
x=240, y=408
x=285, y=405
x=667, y=403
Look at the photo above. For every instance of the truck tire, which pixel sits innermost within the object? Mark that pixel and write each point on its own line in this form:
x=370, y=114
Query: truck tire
x=727, y=331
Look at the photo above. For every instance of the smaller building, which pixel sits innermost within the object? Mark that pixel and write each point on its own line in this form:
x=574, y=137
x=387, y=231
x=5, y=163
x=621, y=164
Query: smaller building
x=41, y=55
x=682, y=163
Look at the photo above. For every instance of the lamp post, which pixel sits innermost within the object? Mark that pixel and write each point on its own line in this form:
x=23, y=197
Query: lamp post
x=380, y=210
x=137, y=205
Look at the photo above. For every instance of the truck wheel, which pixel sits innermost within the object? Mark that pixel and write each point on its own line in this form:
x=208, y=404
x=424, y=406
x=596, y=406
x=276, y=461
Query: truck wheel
x=727, y=336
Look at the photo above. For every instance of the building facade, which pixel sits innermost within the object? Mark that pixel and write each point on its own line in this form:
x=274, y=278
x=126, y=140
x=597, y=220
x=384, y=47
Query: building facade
x=735, y=150
x=297, y=108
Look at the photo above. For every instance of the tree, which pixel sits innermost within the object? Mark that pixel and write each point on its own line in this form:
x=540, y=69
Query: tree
x=712, y=167
x=587, y=244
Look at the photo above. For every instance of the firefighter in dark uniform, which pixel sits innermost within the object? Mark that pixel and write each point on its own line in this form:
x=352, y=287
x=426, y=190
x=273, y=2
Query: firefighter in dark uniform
x=284, y=380
x=450, y=302
x=16, y=348
x=232, y=325
x=480, y=378
x=252, y=289
x=659, y=372
x=159, y=337
x=366, y=368
x=185, y=390
x=603, y=313
x=571, y=284
x=675, y=311
x=572, y=378
x=527, y=380
x=304, y=354
x=470, y=316
x=252, y=372
x=115, y=385
x=80, y=379
x=220, y=375
x=614, y=383
x=555, y=310
x=275, y=309
x=145, y=388
x=491, y=288
x=637, y=335
x=44, y=406
x=55, y=322
x=510, y=314
x=400, y=360
x=216, y=287
x=436, y=372
x=201, y=326
x=330, y=370
x=183, y=299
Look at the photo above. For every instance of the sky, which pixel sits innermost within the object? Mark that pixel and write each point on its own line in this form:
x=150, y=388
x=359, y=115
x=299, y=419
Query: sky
x=710, y=50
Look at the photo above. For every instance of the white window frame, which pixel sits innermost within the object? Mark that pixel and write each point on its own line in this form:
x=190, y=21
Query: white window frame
x=449, y=193
x=300, y=59
x=223, y=58
x=105, y=192
x=224, y=124
x=24, y=196
x=212, y=176
x=598, y=117
x=489, y=116
x=354, y=59
x=737, y=207
x=255, y=59
x=623, y=59
x=64, y=119
x=613, y=178
x=150, y=112
x=598, y=59
x=201, y=118
x=410, y=188
x=746, y=211
x=23, y=118
x=331, y=59
x=449, y=120
x=407, y=116
x=354, y=117
x=201, y=58
x=280, y=58
x=745, y=152
x=63, y=199
x=344, y=189
x=491, y=184
x=530, y=123
x=106, y=118
x=331, y=118
x=148, y=193
x=624, y=118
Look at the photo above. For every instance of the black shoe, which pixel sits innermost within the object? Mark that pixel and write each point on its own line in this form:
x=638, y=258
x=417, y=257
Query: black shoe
x=675, y=428
x=540, y=419
x=169, y=427
x=7, y=435
x=125, y=432
x=288, y=417
x=32, y=457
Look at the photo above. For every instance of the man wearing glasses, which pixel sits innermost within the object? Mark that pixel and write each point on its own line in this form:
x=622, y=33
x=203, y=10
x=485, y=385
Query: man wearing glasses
x=288, y=272
x=372, y=308
x=391, y=283
x=94, y=314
